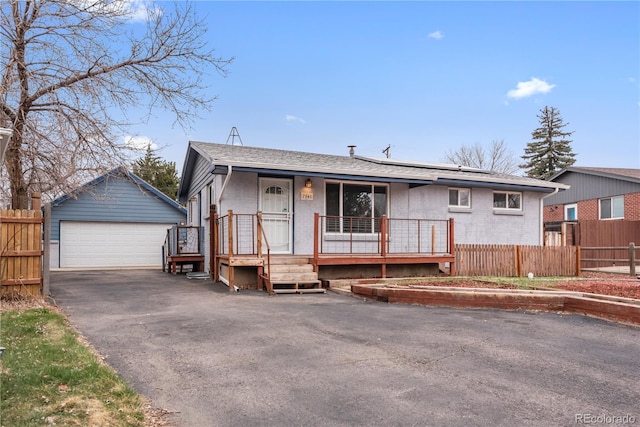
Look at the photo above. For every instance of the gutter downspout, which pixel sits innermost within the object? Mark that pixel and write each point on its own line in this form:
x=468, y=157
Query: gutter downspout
x=224, y=185
x=542, y=214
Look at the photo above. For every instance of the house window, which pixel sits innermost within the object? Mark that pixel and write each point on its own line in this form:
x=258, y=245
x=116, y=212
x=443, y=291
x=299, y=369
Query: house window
x=460, y=197
x=612, y=208
x=194, y=211
x=355, y=208
x=571, y=212
x=507, y=200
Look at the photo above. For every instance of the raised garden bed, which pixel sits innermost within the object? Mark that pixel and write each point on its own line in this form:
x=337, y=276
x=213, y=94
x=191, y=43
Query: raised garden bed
x=604, y=296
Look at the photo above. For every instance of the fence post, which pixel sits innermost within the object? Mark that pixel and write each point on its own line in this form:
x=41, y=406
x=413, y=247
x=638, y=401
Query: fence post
x=632, y=259
x=46, y=254
x=578, y=261
x=451, y=248
x=518, y=261
x=36, y=201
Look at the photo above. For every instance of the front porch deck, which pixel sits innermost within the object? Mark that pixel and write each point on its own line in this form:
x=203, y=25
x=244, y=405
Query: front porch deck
x=389, y=248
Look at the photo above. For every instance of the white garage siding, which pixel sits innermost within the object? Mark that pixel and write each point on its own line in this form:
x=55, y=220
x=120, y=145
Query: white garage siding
x=111, y=244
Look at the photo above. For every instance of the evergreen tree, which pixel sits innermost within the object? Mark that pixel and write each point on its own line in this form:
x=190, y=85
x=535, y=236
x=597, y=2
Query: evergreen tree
x=550, y=150
x=157, y=172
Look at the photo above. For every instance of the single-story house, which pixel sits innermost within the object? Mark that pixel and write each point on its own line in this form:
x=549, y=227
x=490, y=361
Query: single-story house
x=116, y=220
x=349, y=216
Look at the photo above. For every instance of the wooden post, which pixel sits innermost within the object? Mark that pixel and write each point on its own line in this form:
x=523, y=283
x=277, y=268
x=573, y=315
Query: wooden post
x=578, y=266
x=518, y=260
x=383, y=246
x=433, y=240
x=46, y=255
x=36, y=201
x=213, y=241
x=632, y=259
x=259, y=233
x=230, y=233
x=316, y=236
x=230, y=249
x=383, y=238
x=451, y=249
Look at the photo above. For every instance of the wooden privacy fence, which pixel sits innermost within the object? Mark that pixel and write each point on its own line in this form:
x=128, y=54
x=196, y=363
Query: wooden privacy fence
x=21, y=252
x=516, y=260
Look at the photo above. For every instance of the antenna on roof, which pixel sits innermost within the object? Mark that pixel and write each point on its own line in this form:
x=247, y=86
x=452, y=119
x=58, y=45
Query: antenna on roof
x=387, y=151
x=233, y=135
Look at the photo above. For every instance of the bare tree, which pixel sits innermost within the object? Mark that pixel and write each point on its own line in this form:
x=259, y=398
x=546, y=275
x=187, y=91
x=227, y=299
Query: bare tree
x=72, y=71
x=498, y=158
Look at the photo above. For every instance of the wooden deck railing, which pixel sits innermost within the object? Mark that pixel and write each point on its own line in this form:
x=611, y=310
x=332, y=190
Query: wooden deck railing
x=239, y=235
x=182, y=240
x=382, y=236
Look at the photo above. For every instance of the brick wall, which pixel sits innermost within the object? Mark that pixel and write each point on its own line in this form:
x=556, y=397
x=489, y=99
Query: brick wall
x=589, y=209
x=553, y=213
x=632, y=207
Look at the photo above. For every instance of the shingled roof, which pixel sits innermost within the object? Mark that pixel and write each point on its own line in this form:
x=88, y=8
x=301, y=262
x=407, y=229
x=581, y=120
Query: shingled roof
x=625, y=174
x=285, y=162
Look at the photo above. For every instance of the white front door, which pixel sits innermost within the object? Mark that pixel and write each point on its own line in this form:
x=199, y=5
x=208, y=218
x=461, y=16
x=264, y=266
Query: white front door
x=276, y=205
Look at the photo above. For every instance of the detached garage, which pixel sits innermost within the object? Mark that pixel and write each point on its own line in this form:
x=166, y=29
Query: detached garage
x=117, y=220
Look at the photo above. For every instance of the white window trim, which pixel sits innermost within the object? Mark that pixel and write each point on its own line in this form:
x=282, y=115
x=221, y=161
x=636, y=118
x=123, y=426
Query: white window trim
x=193, y=210
x=507, y=208
x=459, y=206
x=566, y=209
x=612, y=217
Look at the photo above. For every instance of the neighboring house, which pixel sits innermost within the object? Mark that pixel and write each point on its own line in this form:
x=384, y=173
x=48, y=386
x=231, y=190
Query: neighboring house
x=595, y=194
x=116, y=220
x=316, y=204
x=600, y=210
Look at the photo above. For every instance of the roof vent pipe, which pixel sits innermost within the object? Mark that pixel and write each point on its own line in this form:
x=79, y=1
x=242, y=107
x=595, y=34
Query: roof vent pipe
x=352, y=150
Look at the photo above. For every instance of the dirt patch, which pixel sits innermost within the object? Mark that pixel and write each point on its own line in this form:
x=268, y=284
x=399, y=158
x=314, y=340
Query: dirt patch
x=595, y=283
x=602, y=283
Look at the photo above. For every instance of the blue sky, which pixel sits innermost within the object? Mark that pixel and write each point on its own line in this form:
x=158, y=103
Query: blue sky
x=424, y=77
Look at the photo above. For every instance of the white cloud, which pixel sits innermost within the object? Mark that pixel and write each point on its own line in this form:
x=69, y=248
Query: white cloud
x=139, y=142
x=529, y=88
x=291, y=118
x=132, y=10
x=436, y=35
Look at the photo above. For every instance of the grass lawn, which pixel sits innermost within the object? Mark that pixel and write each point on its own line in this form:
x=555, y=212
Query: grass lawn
x=49, y=377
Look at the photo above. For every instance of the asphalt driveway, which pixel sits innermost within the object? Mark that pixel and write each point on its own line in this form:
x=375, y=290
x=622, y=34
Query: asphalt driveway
x=248, y=359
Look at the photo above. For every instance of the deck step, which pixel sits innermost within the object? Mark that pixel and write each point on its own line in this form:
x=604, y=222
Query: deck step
x=300, y=291
x=293, y=277
x=291, y=268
